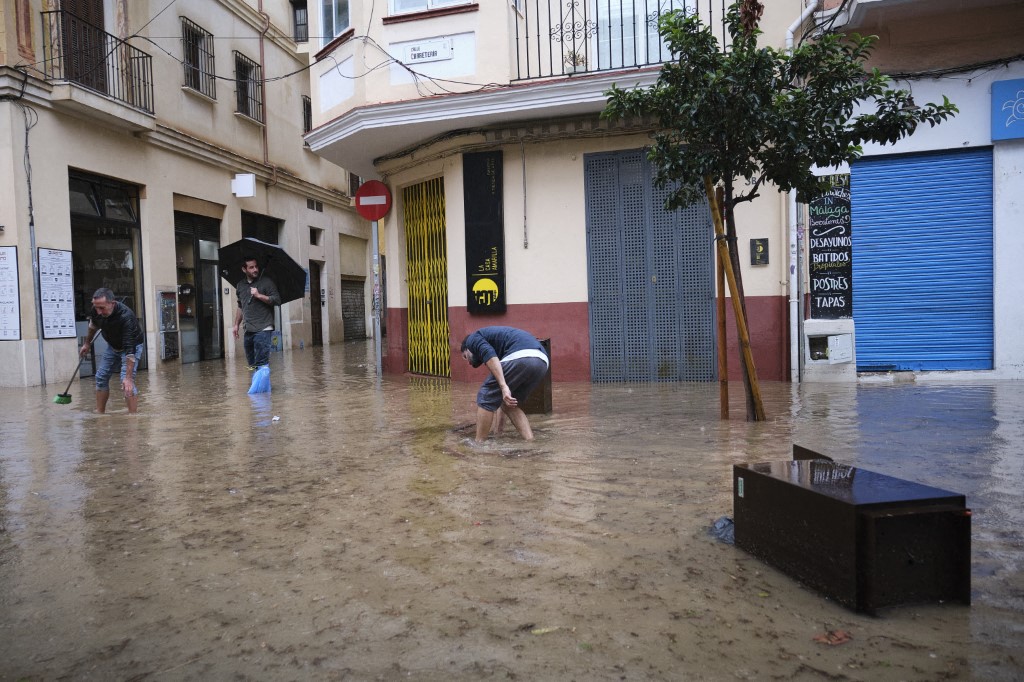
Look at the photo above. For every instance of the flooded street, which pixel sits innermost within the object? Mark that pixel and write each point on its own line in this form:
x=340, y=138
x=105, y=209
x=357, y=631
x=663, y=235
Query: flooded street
x=342, y=527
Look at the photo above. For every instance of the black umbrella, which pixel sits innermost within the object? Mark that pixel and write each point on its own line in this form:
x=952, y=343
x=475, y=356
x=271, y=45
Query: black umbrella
x=274, y=264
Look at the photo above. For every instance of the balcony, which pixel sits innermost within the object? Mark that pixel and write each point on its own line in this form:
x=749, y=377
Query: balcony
x=554, y=60
x=568, y=37
x=96, y=73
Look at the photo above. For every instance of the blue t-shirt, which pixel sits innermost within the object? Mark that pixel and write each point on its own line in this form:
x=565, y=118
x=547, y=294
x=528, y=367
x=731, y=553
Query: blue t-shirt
x=499, y=342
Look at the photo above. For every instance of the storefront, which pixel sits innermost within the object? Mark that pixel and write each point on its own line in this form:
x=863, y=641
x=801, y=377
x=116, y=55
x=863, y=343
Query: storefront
x=200, y=322
x=106, y=249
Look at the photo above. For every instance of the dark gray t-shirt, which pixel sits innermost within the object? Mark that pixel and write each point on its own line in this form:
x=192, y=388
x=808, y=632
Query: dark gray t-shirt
x=257, y=315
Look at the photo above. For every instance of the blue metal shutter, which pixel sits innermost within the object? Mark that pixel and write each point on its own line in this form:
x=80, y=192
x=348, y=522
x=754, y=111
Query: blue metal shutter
x=922, y=261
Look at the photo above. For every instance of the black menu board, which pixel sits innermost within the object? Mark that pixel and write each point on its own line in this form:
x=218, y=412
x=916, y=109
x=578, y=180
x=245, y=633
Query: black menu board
x=830, y=252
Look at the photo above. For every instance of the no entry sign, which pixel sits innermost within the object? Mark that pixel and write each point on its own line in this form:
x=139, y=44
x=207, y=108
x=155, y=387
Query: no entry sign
x=373, y=200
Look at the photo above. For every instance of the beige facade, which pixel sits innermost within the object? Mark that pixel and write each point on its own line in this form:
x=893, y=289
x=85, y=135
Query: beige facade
x=155, y=115
x=403, y=96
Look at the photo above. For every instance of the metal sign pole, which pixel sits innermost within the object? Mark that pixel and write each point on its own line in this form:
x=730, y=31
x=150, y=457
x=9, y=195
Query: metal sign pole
x=376, y=297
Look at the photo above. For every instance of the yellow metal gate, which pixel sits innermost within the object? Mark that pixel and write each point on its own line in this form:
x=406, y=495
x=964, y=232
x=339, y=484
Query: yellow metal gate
x=429, y=350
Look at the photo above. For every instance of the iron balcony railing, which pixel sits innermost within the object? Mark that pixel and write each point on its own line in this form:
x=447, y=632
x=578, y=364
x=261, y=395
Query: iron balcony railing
x=76, y=51
x=562, y=37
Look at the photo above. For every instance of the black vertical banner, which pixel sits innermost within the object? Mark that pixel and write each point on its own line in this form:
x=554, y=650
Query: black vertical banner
x=830, y=248
x=485, y=232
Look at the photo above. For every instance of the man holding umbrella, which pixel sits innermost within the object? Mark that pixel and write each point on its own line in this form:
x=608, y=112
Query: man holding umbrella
x=257, y=296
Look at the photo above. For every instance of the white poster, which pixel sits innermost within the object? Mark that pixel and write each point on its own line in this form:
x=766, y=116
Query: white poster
x=10, y=300
x=57, y=289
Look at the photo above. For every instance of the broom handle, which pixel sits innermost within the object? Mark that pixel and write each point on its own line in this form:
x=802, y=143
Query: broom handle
x=77, y=367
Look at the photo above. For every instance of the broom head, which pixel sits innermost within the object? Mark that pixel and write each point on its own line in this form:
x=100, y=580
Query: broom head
x=62, y=398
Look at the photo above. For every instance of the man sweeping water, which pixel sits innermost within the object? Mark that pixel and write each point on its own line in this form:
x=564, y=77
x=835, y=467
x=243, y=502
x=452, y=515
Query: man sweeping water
x=257, y=296
x=125, y=342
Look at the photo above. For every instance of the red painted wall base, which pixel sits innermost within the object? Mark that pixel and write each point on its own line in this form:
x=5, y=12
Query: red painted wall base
x=568, y=327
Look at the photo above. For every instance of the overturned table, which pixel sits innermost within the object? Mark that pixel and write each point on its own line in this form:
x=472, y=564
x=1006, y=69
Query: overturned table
x=865, y=539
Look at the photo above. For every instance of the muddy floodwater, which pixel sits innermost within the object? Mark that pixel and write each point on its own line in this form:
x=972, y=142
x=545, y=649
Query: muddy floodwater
x=344, y=528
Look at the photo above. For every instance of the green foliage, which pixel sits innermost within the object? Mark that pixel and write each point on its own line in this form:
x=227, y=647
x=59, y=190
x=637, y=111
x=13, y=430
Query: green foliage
x=761, y=115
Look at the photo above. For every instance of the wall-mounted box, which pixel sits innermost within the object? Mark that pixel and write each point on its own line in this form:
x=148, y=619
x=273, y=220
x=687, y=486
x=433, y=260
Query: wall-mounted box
x=830, y=352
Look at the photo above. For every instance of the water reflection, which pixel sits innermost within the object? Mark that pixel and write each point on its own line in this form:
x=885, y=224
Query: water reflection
x=203, y=533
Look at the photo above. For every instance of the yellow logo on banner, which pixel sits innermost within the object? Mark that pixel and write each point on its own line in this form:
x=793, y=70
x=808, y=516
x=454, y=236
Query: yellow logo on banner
x=485, y=291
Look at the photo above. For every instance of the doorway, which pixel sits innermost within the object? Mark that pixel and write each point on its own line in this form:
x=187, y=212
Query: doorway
x=427, y=263
x=200, y=320
x=651, y=281
x=316, y=303
x=106, y=242
x=353, y=308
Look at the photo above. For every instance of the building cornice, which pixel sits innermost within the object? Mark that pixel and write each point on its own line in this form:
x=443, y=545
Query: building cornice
x=373, y=131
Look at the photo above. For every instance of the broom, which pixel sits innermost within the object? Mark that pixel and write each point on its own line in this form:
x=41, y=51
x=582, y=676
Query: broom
x=65, y=397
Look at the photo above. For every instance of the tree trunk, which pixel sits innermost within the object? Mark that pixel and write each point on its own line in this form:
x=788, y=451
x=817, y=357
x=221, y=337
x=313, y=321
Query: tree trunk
x=755, y=409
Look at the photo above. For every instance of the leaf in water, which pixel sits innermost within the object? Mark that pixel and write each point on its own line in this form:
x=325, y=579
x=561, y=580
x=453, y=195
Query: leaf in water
x=833, y=637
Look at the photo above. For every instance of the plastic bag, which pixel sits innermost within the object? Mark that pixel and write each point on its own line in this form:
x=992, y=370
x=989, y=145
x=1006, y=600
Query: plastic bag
x=260, y=380
x=723, y=530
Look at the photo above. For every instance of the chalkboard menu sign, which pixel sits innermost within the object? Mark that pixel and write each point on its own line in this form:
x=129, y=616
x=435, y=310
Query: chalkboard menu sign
x=485, y=232
x=830, y=249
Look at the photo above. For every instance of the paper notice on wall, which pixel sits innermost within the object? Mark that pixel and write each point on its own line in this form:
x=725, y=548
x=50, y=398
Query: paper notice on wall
x=10, y=300
x=57, y=291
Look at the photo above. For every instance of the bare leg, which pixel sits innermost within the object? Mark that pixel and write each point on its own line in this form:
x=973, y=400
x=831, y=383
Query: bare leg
x=133, y=403
x=520, y=421
x=101, y=401
x=483, y=424
x=499, y=422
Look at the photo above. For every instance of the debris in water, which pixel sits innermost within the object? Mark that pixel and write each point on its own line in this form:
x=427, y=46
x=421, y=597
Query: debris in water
x=833, y=637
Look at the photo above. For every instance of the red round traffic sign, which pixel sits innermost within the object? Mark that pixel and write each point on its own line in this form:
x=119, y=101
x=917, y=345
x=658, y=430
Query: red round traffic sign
x=373, y=200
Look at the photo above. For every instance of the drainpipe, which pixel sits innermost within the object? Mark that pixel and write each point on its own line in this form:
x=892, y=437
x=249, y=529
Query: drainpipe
x=263, y=90
x=795, y=323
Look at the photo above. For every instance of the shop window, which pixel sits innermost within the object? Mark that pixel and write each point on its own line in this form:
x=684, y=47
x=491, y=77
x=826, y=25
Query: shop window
x=83, y=198
x=105, y=241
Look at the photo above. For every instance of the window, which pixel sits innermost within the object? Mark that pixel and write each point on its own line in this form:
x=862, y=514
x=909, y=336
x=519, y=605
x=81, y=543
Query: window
x=353, y=184
x=315, y=236
x=248, y=87
x=307, y=114
x=197, y=47
x=335, y=18
x=300, y=16
x=401, y=6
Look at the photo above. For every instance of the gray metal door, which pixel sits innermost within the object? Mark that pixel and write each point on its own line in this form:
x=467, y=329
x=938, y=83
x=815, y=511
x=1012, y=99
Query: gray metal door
x=353, y=309
x=651, y=289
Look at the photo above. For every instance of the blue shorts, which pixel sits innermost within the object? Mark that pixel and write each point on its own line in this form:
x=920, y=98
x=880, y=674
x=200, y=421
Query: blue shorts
x=522, y=376
x=112, y=360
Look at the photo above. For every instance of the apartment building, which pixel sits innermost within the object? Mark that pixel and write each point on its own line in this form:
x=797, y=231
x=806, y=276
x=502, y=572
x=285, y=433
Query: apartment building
x=515, y=203
x=138, y=136
x=930, y=286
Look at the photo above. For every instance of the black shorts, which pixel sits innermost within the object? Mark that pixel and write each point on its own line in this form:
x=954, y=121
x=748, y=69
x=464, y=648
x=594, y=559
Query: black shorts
x=522, y=376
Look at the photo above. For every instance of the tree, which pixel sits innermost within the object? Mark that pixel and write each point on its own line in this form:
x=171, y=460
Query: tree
x=751, y=116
